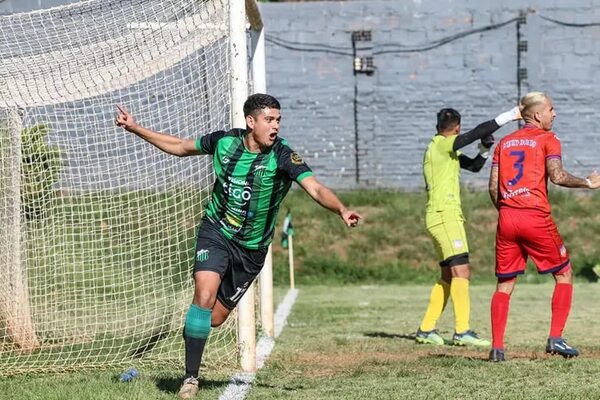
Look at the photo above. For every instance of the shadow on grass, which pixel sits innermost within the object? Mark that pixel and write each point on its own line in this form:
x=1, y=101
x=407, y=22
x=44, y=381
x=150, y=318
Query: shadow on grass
x=589, y=272
x=385, y=335
x=172, y=385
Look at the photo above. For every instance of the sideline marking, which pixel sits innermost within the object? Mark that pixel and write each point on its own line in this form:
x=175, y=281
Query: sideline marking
x=241, y=382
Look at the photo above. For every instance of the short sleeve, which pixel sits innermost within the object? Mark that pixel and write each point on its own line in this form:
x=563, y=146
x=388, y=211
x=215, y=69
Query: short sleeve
x=208, y=143
x=552, y=147
x=496, y=158
x=292, y=164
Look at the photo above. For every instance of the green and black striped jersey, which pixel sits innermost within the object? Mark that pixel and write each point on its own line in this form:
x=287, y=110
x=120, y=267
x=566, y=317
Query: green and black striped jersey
x=249, y=187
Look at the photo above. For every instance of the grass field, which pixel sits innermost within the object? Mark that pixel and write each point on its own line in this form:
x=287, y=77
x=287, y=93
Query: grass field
x=356, y=342
x=392, y=245
x=350, y=335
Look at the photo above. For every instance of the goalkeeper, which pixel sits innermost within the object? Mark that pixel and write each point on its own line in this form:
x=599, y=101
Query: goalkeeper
x=254, y=169
x=445, y=222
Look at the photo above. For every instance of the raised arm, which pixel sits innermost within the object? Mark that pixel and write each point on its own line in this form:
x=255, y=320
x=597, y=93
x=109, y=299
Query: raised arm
x=560, y=177
x=167, y=143
x=327, y=199
x=486, y=128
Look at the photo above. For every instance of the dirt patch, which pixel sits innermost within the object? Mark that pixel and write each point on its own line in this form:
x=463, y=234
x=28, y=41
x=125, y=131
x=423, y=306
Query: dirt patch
x=318, y=364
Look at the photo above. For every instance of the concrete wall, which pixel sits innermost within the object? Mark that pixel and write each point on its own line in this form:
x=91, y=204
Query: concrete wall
x=396, y=106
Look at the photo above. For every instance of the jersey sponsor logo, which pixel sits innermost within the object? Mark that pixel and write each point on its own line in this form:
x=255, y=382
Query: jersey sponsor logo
x=524, y=191
x=202, y=255
x=296, y=159
x=240, y=194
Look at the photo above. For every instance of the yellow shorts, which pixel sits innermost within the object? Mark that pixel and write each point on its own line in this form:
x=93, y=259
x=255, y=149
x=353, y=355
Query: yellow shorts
x=447, y=229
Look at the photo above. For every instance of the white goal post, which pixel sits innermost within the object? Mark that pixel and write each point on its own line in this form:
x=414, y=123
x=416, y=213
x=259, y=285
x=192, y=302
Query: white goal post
x=98, y=227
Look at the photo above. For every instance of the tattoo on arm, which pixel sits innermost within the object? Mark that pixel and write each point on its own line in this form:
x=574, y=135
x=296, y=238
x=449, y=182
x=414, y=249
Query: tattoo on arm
x=493, y=185
x=560, y=177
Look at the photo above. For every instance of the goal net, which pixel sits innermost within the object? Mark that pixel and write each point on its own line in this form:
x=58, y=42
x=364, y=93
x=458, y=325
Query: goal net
x=98, y=227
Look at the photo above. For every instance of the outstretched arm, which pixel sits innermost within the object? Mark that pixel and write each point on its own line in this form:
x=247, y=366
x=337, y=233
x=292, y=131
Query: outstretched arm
x=486, y=128
x=167, y=143
x=327, y=199
x=560, y=177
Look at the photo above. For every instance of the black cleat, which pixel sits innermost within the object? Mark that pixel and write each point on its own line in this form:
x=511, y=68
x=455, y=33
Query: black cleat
x=560, y=346
x=496, y=355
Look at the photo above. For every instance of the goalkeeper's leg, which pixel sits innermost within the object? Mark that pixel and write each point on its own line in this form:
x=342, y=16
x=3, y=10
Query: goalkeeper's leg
x=438, y=300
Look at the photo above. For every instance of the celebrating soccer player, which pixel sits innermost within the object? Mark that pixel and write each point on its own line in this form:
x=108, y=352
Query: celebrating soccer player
x=445, y=221
x=254, y=170
x=523, y=161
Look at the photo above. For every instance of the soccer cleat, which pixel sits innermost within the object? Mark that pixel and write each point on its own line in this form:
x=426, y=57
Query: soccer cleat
x=429, y=337
x=469, y=338
x=496, y=355
x=189, y=388
x=560, y=346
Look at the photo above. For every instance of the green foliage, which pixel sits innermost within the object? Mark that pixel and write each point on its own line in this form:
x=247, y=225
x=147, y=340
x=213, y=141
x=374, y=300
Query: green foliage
x=40, y=170
x=391, y=244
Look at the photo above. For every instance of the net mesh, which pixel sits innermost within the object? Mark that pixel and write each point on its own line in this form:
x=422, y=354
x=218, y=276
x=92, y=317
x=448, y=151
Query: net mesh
x=98, y=226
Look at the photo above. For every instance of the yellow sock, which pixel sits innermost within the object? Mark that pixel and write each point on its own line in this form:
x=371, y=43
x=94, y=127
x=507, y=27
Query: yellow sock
x=459, y=291
x=437, y=303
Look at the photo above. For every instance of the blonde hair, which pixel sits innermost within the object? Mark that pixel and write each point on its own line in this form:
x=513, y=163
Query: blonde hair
x=530, y=101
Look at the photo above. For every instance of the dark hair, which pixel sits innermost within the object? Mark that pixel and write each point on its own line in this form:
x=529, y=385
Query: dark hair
x=447, y=118
x=257, y=102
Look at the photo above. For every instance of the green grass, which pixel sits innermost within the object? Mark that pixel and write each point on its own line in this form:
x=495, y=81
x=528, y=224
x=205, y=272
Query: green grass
x=356, y=342
x=392, y=245
x=103, y=267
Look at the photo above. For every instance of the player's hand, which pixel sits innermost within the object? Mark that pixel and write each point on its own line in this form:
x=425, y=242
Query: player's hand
x=517, y=113
x=124, y=119
x=593, y=180
x=350, y=217
x=488, y=141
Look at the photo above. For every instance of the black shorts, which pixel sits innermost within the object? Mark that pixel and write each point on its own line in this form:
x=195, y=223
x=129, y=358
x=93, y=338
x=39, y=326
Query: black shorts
x=237, y=265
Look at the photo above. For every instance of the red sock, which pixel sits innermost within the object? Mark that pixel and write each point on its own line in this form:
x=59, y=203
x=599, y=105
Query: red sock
x=500, y=305
x=561, y=305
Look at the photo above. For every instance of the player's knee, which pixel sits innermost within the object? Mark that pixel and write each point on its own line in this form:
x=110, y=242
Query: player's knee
x=564, y=275
x=218, y=319
x=205, y=298
x=506, y=285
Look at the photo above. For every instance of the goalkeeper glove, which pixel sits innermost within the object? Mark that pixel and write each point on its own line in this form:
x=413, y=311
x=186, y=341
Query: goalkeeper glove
x=485, y=145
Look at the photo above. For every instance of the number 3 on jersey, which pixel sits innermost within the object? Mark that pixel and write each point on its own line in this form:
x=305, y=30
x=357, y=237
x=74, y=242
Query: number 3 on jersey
x=518, y=165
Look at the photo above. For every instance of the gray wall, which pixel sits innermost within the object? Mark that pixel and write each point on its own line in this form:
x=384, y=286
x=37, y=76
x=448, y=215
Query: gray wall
x=397, y=104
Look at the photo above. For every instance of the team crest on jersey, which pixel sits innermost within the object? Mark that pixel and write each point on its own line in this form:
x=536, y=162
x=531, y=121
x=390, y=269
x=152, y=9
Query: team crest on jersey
x=296, y=159
x=457, y=243
x=259, y=170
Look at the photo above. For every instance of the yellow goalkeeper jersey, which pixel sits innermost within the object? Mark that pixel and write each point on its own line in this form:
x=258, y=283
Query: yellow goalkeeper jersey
x=441, y=170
